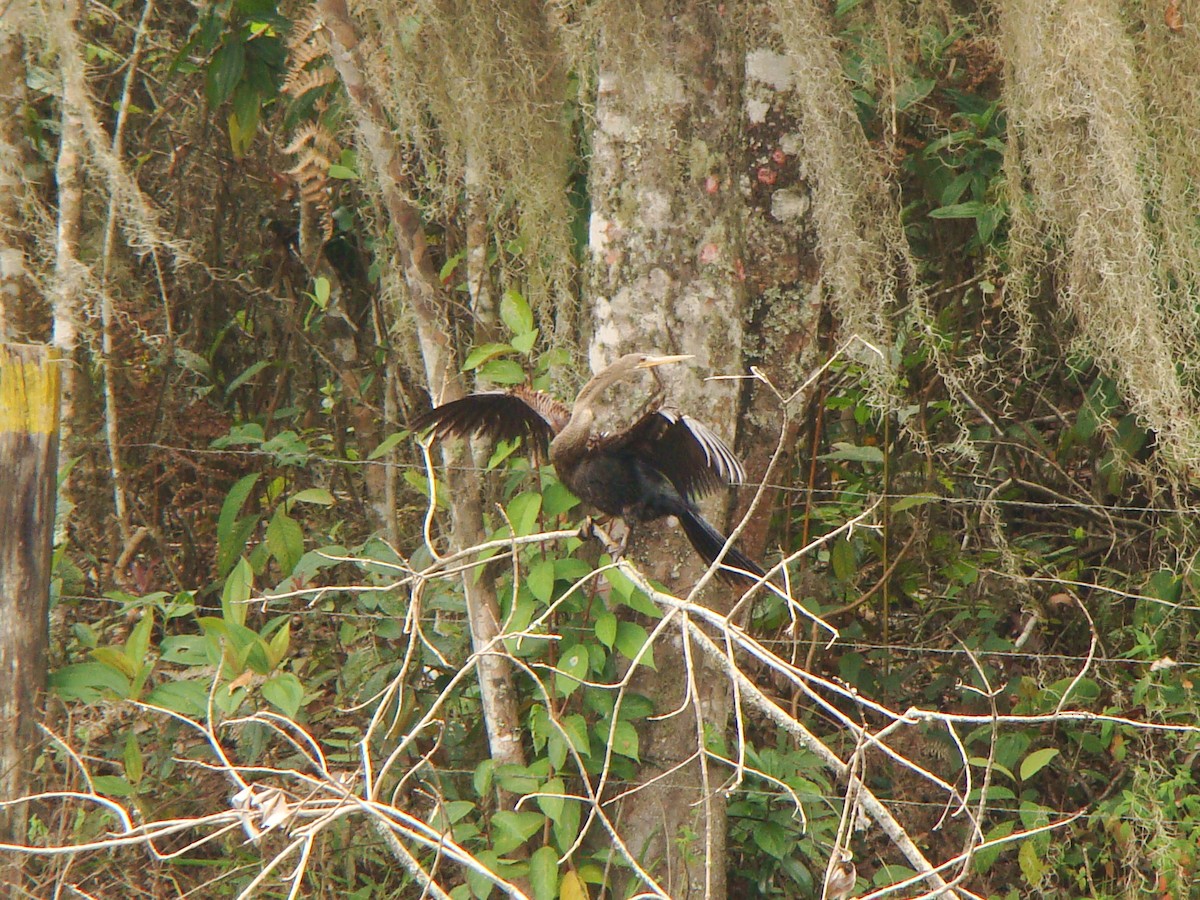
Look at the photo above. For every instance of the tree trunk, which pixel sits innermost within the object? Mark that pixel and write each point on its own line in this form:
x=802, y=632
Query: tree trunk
x=28, y=457
x=665, y=242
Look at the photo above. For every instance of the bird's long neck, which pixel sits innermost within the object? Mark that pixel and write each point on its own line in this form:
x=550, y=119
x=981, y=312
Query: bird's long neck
x=570, y=444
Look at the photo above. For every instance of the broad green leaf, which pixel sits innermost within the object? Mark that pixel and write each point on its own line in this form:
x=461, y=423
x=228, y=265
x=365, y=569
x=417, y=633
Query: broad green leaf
x=523, y=512
x=318, y=496
x=112, y=786
x=224, y=71
x=138, y=645
x=631, y=637
x=132, y=757
x=385, y=446
x=523, y=343
x=114, y=658
x=285, y=693
x=573, y=887
x=342, y=173
x=247, y=374
x=503, y=371
x=624, y=739
x=515, y=312
x=1036, y=761
x=232, y=532
x=971, y=209
x=511, y=829
x=541, y=580
x=566, y=826
x=543, y=873
x=913, y=91
x=89, y=682
x=853, y=453
x=573, y=668
x=552, y=806
x=285, y=541
x=606, y=629
x=483, y=353
x=1031, y=863
x=481, y=780
x=238, y=587
x=556, y=500
x=188, y=698
x=914, y=500
x=576, y=729
x=184, y=650
x=277, y=647
x=773, y=839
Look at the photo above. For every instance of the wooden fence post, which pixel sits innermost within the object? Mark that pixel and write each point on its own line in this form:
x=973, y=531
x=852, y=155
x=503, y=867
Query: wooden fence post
x=29, y=398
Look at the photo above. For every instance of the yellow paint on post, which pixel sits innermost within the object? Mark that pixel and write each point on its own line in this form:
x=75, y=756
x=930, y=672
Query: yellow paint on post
x=29, y=385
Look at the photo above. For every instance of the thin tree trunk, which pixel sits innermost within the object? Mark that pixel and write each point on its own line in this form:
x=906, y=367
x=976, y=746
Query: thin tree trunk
x=68, y=270
x=665, y=264
x=14, y=277
x=429, y=307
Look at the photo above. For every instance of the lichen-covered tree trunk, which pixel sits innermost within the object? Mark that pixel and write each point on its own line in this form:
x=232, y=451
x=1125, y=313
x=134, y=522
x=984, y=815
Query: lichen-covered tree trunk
x=14, y=280
x=665, y=276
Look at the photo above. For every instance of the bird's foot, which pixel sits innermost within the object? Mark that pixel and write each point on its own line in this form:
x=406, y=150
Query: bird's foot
x=592, y=529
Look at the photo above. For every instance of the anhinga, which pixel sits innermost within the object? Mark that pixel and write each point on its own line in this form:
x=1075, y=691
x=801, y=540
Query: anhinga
x=653, y=469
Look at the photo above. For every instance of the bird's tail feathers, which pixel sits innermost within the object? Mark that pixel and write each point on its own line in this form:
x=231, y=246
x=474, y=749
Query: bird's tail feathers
x=708, y=543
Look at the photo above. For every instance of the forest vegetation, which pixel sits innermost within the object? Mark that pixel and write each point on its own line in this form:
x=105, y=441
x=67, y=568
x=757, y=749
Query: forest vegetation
x=937, y=267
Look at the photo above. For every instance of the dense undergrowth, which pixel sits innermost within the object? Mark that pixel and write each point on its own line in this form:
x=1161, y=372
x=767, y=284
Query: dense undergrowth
x=1031, y=544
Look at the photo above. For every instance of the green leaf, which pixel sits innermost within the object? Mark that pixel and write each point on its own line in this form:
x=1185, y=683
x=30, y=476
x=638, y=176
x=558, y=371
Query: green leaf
x=576, y=728
x=972, y=209
x=238, y=588
x=541, y=580
x=503, y=371
x=285, y=541
x=89, y=682
x=132, y=757
x=483, y=353
x=246, y=375
x=552, y=806
x=523, y=343
x=543, y=873
x=188, y=698
x=914, y=500
x=573, y=887
x=1036, y=761
x=913, y=91
x=606, y=629
x=319, y=496
x=224, y=71
x=556, y=500
x=523, y=512
x=114, y=658
x=773, y=839
x=511, y=829
x=482, y=778
x=1031, y=863
x=277, y=647
x=184, y=650
x=112, y=786
x=138, y=645
x=853, y=453
x=232, y=533
x=515, y=312
x=631, y=637
x=342, y=173
x=385, y=446
x=573, y=668
x=624, y=739
x=566, y=826
x=285, y=693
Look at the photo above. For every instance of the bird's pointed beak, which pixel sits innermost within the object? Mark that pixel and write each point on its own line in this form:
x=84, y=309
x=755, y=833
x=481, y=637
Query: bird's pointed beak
x=651, y=361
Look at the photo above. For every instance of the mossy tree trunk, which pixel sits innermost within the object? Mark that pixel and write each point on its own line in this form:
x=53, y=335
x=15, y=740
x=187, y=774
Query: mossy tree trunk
x=665, y=267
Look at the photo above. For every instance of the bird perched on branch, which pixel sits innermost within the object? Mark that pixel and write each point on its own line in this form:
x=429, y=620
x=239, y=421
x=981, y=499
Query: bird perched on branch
x=656, y=468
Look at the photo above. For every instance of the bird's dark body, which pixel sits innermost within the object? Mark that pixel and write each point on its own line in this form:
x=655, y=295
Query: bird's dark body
x=620, y=484
x=651, y=470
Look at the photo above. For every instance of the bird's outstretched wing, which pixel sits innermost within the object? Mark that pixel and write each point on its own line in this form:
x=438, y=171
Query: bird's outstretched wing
x=688, y=452
x=501, y=415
